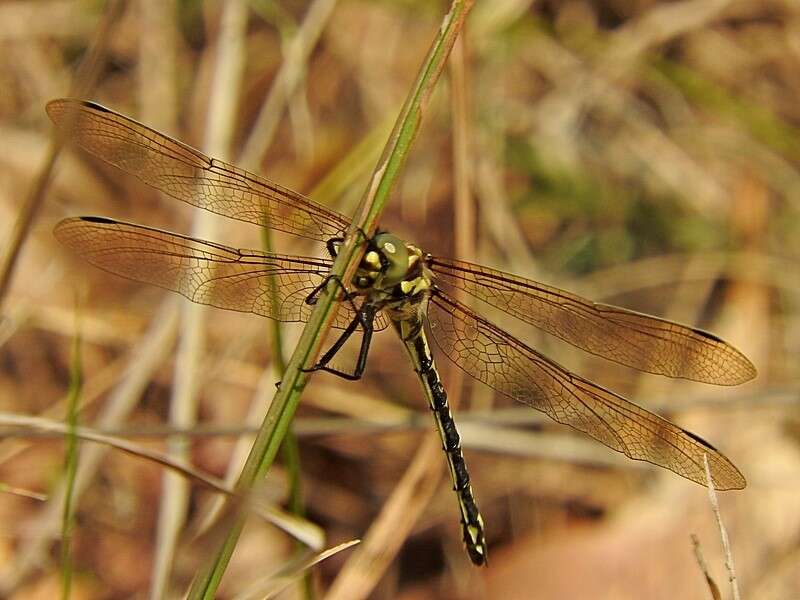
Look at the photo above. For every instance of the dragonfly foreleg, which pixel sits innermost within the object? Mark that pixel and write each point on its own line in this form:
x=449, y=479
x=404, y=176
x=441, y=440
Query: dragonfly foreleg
x=313, y=296
x=332, y=244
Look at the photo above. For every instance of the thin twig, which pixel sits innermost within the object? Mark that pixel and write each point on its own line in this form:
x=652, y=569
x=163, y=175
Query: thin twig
x=723, y=533
x=701, y=562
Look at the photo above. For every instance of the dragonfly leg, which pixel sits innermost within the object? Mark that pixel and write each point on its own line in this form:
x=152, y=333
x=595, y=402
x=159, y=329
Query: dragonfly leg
x=365, y=318
x=333, y=243
x=313, y=296
x=311, y=299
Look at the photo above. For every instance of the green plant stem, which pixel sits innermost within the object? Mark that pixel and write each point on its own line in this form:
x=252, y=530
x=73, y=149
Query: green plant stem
x=290, y=448
x=71, y=464
x=276, y=422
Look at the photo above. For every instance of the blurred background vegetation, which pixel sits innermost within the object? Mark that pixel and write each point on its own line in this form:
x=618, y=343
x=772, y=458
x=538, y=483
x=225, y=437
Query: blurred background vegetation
x=643, y=153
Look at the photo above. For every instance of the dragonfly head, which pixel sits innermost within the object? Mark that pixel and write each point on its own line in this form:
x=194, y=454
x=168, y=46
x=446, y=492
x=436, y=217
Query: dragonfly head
x=388, y=262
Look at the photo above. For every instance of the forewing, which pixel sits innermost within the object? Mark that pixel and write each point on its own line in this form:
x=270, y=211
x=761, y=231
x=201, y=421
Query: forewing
x=630, y=338
x=504, y=363
x=187, y=174
x=271, y=285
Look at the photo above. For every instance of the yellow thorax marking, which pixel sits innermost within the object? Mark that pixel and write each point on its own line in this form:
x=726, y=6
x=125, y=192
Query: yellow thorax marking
x=414, y=286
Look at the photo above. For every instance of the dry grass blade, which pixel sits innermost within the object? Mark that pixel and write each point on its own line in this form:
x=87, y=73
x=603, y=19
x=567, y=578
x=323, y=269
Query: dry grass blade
x=16, y=491
x=272, y=585
x=158, y=98
x=223, y=104
x=146, y=358
x=303, y=530
x=392, y=526
x=286, y=81
x=84, y=82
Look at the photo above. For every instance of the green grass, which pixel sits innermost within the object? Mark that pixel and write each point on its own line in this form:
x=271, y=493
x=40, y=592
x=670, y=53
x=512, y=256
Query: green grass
x=290, y=449
x=71, y=464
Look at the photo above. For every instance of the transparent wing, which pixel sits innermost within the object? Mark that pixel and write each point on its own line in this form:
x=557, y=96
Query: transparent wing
x=630, y=338
x=271, y=285
x=512, y=368
x=186, y=174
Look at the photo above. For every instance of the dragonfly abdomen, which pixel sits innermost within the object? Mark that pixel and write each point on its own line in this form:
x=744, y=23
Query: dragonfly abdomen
x=471, y=520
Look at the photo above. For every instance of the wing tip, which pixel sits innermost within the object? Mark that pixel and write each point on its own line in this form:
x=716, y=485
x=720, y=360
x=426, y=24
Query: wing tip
x=69, y=221
x=741, y=371
x=63, y=225
x=57, y=107
x=741, y=368
x=733, y=481
x=64, y=230
x=751, y=372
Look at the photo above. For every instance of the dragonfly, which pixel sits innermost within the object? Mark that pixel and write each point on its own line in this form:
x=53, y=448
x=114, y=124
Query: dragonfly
x=399, y=284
